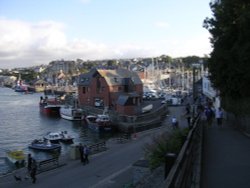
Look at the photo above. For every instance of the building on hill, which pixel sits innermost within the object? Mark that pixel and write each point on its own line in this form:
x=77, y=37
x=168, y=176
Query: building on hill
x=119, y=89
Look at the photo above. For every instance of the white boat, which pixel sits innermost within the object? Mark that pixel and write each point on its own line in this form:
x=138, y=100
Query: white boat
x=16, y=157
x=71, y=113
x=66, y=138
x=99, y=123
x=147, y=108
x=53, y=137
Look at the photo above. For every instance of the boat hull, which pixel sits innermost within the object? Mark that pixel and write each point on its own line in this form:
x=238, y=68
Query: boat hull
x=44, y=147
x=99, y=127
x=67, y=140
x=71, y=114
x=50, y=110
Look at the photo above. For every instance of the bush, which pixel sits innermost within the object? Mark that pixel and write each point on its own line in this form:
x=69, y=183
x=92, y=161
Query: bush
x=161, y=145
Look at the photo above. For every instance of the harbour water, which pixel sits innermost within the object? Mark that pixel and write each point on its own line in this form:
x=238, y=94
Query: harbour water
x=21, y=122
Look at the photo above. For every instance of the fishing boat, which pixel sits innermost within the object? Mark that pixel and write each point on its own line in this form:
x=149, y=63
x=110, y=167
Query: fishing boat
x=100, y=122
x=56, y=137
x=16, y=157
x=50, y=106
x=44, y=145
x=71, y=113
x=66, y=138
x=53, y=137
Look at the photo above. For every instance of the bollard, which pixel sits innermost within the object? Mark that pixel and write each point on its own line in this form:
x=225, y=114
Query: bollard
x=169, y=161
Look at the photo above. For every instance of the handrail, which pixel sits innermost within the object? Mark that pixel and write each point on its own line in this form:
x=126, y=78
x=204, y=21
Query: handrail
x=181, y=173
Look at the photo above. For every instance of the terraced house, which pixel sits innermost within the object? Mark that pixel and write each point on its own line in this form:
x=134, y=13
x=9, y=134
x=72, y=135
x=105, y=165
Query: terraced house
x=119, y=89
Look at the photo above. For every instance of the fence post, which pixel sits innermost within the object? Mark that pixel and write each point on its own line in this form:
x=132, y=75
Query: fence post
x=169, y=161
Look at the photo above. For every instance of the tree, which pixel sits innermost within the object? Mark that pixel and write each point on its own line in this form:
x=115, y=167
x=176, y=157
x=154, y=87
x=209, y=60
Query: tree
x=229, y=60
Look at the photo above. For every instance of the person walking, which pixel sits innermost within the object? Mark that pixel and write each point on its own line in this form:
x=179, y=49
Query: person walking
x=81, y=153
x=174, y=123
x=86, y=153
x=33, y=171
x=219, y=116
x=209, y=115
x=188, y=115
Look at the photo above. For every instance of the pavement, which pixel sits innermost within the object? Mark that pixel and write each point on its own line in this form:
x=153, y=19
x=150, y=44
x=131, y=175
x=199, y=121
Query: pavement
x=109, y=169
x=226, y=158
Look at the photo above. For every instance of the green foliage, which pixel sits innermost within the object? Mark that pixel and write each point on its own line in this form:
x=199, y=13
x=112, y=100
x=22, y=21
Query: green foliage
x=229, y=61
x=189, y=60
x=111, y=63
x=167, y=142
x=29, y=76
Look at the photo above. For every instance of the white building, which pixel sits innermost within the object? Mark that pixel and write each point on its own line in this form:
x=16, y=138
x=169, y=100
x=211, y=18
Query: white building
x=209, y=91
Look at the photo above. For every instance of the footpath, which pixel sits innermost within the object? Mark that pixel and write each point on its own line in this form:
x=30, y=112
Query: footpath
x=109, y=169
x=226, y=158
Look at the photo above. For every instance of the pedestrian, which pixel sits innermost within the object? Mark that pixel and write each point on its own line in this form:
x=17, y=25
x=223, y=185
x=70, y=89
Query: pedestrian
x=188, y=115
x=81, y=153
x=174, y=123
x=219, y=116
x=33, y=171
x=29, y=165
x=209, y=115
x=86, y=153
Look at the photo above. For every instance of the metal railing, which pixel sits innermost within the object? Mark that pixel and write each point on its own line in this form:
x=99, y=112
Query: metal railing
x=184, y=171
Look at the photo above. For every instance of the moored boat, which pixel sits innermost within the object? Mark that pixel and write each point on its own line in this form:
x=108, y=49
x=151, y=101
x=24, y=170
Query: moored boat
x=99, y=123
x=65, y=137
x=44, y=145
x=50, y=106
x=53, y=137
x=71, y=113
x=16, y=157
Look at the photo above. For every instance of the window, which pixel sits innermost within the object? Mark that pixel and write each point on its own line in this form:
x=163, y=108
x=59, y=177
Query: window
x=83, y=90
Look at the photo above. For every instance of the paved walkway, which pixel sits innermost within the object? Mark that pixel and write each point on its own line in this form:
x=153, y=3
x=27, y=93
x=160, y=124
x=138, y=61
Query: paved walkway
x=226, y=158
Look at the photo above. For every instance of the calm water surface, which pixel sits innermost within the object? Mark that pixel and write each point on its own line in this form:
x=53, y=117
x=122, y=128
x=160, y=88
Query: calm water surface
x=21, y=122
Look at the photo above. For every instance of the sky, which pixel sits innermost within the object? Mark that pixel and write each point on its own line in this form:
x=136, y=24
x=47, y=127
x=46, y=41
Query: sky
x=34, y=32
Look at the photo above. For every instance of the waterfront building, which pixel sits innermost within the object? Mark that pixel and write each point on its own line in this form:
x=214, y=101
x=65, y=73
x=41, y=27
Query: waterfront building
x=209, y=91
x=119, y=89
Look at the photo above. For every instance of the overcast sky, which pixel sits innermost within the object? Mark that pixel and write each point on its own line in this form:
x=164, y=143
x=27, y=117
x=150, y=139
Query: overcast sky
x=34, y=32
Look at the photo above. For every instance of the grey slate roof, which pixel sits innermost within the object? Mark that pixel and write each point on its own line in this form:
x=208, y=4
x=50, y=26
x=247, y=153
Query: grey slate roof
x=113, y=77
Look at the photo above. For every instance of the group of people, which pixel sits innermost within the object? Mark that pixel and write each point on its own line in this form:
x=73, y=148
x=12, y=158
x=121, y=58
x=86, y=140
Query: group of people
x=211, y=113
x=32, y=168
x=84, y=153
x=208, y=114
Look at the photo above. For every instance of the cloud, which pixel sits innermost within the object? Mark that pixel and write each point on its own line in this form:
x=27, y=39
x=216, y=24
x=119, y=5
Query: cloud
x=194, y=45
x=24, y=44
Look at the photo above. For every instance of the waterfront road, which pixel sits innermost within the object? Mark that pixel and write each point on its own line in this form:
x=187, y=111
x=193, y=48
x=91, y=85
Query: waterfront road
x=226, y=158
x=111, y=168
